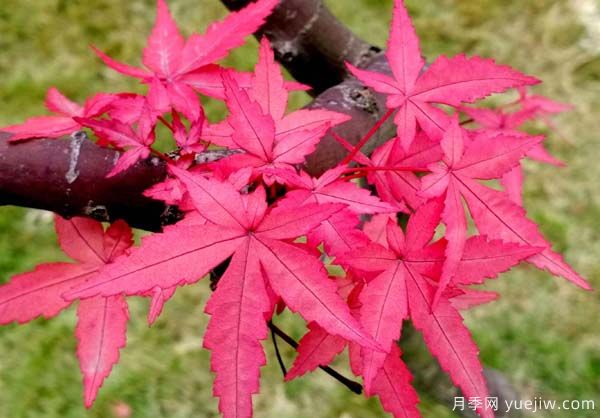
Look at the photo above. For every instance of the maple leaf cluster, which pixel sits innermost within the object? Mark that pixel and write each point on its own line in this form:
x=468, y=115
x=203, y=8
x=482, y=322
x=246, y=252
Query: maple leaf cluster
x=267, y=223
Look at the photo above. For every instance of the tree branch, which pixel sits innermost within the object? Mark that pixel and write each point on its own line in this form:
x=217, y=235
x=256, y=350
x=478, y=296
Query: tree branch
x=353, y=386
x=312, y=43
x=69, y=176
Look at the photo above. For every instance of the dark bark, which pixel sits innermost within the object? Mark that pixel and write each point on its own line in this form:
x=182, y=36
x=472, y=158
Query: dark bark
x=38, y=174
x=68, y=176
x=312, y=43
x=364, y=105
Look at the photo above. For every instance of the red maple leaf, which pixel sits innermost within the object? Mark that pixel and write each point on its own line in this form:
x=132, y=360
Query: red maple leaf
x=500, y=121
x=393, y=172
x=185, y=67
x=137, y=141
x=263, y=262
x=259, y=126
x=102, y=321
x=392, y=382
x=497, y=121
x=410, y=269
x=339, y=234
x=495, y=215
x=188, y=140
x=133, y=130
x=330, y=187
x=64, y=123
x=412, y=91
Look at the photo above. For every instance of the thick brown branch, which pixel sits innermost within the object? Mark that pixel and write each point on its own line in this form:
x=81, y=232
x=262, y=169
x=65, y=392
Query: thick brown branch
x=69, y=176
x=312, y=43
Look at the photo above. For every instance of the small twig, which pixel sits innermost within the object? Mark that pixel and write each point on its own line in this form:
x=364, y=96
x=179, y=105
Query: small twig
x=166, y=123
x=353, y=386
x=277, y=353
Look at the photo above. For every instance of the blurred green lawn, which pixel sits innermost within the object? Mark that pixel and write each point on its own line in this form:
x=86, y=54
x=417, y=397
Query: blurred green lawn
x=543, y=333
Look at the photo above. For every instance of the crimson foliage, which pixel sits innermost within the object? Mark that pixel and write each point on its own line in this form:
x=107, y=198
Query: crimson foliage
x=260, y=212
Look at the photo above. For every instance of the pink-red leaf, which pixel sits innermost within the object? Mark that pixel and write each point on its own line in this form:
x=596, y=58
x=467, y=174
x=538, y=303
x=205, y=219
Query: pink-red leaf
x=182, y=254
x=499, y=218
x=404, y=52
x=455, y=220
x=393, y=387
x=42, y=127
x=304, y=286
x=101, y=329
x=449, y=81
x=236, y=327
x=490, y=157
x=456, y=80
x=163, y=50
x=483, y=259
x=225, y=35
x=159, y=298
x=288, y=223
x=218, y=202
x=316, y=348
x=253, y=131
x=38, y=293
x=448, y=340
x=58, y=103
x=121, y=67
x=81, y=239
x=268, y=86
x=384, y=307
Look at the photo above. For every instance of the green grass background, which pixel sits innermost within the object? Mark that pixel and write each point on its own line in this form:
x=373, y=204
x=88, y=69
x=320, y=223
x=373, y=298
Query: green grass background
x=543, y=333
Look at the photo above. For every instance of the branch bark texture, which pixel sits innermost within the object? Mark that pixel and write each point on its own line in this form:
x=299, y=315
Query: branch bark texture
x=68, y=176
x=312, y=43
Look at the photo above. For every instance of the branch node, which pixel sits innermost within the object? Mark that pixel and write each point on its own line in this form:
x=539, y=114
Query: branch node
x=367, y=56
x=285, y=50
x=97, y=212
x=170, y=215
x=363, y=98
